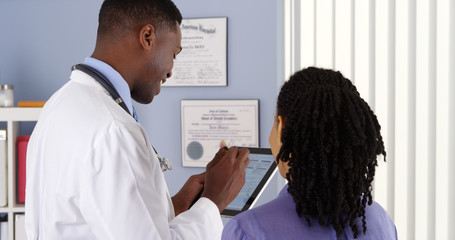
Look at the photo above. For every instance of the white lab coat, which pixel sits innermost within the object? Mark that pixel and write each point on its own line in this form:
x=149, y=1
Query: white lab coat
x=92, y=174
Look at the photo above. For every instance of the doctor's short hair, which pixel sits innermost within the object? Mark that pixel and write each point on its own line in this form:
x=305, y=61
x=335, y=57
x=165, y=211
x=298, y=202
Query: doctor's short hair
x=330, y=140
x=122, y=16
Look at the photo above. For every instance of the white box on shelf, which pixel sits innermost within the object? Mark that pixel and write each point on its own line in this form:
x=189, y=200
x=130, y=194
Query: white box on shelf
x=3, y=168
x=19, y=227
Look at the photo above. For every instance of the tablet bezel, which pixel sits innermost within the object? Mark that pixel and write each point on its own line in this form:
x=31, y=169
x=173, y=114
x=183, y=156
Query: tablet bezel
x=259, y=188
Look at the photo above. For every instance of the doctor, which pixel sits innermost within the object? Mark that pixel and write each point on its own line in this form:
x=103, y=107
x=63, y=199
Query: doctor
x=91, y=171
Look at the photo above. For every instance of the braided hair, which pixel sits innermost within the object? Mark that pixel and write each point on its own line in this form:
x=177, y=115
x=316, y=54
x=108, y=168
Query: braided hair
x=330, y=140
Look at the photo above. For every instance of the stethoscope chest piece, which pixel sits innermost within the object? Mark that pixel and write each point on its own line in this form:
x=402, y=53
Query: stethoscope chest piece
x=165, y=164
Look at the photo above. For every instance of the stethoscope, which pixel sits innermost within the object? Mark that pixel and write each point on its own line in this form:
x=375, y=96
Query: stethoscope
x=99, y=77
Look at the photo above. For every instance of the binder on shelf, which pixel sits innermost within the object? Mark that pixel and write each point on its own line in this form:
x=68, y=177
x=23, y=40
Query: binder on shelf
x=3, y=168
x=22, y=142
x=19, y=227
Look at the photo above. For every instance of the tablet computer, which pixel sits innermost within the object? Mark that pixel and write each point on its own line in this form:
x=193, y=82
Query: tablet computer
x=258, y=173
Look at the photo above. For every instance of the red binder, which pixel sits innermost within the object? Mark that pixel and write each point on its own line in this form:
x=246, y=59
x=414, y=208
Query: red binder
x=22, y=142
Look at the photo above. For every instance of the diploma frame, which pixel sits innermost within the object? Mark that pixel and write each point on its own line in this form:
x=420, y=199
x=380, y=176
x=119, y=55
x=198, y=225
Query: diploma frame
x=204, y=123
x=203, y=60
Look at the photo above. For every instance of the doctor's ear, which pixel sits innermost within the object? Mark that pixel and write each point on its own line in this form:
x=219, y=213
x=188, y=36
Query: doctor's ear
x=147, y=36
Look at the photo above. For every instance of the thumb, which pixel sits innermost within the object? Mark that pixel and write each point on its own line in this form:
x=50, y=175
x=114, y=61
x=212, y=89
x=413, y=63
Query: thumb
x=200, y=177
x=223, y=144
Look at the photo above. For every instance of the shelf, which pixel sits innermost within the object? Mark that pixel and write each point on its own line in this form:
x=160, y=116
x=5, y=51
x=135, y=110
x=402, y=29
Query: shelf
x=12, y=210
x=18, y=209
x=19, y=114
x=13, y=118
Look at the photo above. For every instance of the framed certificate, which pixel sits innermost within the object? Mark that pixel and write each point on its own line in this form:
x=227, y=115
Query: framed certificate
x=203, y=60
x=205, y=123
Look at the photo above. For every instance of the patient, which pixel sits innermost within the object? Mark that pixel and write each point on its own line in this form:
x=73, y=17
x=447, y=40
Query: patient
x=325, y=139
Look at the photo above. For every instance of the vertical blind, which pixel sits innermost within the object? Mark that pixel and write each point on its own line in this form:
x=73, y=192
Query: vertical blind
x=400, y=54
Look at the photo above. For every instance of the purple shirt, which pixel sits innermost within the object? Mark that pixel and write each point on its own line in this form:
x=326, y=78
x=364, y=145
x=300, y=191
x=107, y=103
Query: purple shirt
x=278, y=219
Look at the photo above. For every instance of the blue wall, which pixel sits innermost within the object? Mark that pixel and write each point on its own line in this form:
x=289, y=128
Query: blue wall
x=41, y=40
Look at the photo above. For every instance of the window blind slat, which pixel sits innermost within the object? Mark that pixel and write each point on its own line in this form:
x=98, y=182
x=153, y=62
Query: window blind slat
x=287, y=39
x=343, y=37
x=442, y=119
x=451, y=103
x=402, y=120
x=422, y=119
x=296, y=35
x=307, y=47
x=411, y=187
x=361, y=58
x=391, y=95
x=432, y=62
x=382, y=99
x=324, y=32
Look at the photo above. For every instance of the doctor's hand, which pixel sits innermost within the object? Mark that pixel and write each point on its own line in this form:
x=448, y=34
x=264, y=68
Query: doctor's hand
x=187, y=194
x=225, y=176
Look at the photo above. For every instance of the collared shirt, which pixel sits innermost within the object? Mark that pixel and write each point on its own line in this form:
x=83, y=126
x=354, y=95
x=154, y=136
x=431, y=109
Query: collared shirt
x=114, y=77
x=278, y=219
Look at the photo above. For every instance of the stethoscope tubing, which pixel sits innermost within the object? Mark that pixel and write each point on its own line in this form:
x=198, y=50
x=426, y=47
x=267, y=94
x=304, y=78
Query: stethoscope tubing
x=99, y=77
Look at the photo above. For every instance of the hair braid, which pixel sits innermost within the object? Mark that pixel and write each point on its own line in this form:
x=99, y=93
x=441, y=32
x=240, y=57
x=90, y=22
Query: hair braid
x=330, y=140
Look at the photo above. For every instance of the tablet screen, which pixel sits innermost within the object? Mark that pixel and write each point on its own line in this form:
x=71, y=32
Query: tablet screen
x=257, y=175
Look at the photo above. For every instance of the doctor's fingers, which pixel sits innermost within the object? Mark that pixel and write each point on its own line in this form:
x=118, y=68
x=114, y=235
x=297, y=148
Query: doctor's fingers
x=218, y=156
x=198, y=178
x=237, y=158
x=242, y=157
x=223, y=155
x=232, y=153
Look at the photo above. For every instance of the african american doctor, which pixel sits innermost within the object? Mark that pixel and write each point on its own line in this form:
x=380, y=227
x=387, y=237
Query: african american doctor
x=92, y=172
